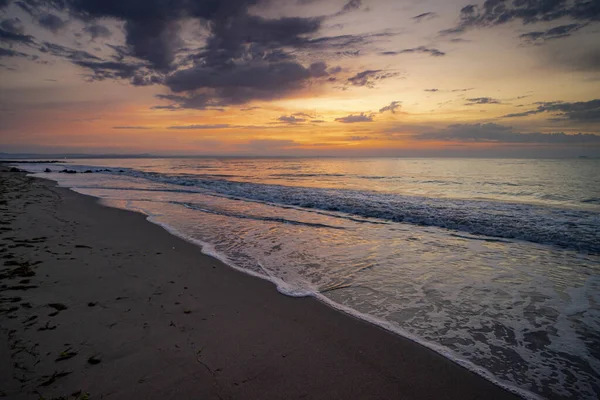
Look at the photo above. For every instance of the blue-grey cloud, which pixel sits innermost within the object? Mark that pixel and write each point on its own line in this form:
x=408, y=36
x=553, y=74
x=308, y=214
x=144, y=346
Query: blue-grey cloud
x=482, y=100
x=71, y=54
x=9, y=53
x=96, y=30
x=12, y=25
x=52, y=22
x=351, y=5
x=290, y=120
x=421, y=49
x=354, y=118
x=540, y=37
x=13, y=37
x=393, y=106
x=581, y=111
x=498, y=12
x=425, y=16
x=369, y=78
x=133, y=127
x=240, y=84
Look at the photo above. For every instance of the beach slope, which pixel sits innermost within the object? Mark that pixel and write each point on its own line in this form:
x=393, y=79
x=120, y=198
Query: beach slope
x=99, y=303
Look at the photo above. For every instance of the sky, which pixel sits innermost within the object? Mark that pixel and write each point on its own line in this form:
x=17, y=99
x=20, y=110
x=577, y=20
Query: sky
x=301, y=77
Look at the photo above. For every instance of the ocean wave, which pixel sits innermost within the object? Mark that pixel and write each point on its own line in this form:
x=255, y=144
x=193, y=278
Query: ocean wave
x=567, y=228
x=572, y=229
x=198, y=207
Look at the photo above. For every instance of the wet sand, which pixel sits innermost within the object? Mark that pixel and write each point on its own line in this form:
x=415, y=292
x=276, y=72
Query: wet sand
x=99, y=303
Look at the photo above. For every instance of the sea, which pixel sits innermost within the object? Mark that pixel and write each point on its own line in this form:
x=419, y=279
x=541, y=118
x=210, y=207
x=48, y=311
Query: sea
x=493, y=263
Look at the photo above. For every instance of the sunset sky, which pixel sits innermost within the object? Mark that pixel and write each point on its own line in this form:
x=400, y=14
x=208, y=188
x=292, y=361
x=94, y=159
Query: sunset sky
x=301, y=77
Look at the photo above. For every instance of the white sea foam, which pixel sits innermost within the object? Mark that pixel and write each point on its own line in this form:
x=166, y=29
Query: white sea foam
x=293, y=290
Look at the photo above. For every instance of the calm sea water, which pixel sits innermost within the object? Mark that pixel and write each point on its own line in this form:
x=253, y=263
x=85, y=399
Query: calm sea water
x=493, y=263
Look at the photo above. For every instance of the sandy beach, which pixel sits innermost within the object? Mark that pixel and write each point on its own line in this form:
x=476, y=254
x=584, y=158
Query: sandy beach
x=98, y=303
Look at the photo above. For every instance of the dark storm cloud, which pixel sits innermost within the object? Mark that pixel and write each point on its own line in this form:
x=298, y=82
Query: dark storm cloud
x=368, y=78
x=354, y=118
x=239, y=84
x=393, y=106
x=582, y=111
x=51, y=22
x=152, y=27
x=230, y=41
x=424, y=16
x=497, y=12
x=96, y=30
x=503, y=134
x=12, y=53
x=244, y=57
x=67, y=52
x=101, y=70
x=432, y=90
x=482, y=100
x=539, y=37
x=421, y=49
x=15, y=38
x=12, y=25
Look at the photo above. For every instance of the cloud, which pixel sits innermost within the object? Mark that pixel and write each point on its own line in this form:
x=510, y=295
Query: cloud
x=368, y=78
x=581, y=111
x=67, y=52
x=243, y=56
x=303, y=115
x=425, y=16
x=15, y=37
x=290, y=120
x=498, y=12
x=96, y=30
x=421, y=49
x=351, y=5
x=51, y=22
x=540, y=37
x=240, y=84
x=131, y=127
x=354, y=118
x=432, y=90
x=491, y=132
x=13, y=53
x=393, y=106
x=482, y=100
x=102, y=70
x=12, y=25
x=202, y=127
x=318, y=69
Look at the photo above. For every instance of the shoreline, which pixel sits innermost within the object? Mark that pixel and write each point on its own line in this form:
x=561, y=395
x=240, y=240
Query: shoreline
x=195, y=326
